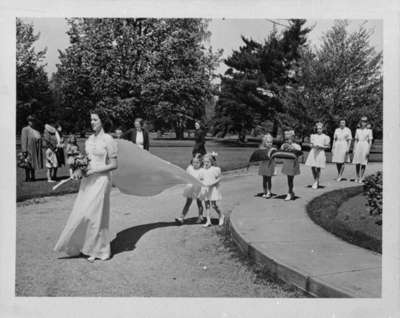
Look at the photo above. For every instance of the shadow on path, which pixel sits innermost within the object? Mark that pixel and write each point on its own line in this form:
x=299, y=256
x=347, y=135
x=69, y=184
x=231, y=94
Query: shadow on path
x=126, y=239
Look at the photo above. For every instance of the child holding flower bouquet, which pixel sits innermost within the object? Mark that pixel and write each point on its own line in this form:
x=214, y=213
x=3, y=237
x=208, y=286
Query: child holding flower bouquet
x=72, y=152
x=291, y=167
x=267, y=167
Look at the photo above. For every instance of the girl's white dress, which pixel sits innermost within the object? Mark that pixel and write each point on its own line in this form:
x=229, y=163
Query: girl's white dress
x=190, y=191
x=341, y=139
x=210, y=175
x=316, y=158
x=361, y=146
x=87, y=228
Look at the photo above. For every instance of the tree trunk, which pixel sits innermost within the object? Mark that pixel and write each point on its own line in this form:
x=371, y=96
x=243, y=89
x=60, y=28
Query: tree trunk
x=275, y=128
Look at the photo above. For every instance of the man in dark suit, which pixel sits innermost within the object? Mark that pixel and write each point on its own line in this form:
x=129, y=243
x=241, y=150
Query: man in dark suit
x=138, y=135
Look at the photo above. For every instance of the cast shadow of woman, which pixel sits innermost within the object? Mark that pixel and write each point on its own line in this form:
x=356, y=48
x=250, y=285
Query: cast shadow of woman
x=126, y=239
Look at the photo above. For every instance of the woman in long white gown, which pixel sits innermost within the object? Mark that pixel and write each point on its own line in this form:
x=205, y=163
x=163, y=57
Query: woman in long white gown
x=362, y=147
x=87, y=229
x=341, y=146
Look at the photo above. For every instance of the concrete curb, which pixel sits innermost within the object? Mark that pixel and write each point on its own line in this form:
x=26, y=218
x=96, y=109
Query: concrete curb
x=313, y=286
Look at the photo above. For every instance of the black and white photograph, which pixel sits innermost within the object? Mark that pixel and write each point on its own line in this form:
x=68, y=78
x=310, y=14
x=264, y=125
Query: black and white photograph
x=278, y=123
x=190, y=158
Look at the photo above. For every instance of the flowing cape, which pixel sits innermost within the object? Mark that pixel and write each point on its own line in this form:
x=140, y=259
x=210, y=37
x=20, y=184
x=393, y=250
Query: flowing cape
x=143, y=174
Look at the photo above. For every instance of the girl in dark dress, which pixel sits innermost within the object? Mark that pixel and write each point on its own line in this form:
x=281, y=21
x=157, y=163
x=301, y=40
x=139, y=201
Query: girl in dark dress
x=200, y=140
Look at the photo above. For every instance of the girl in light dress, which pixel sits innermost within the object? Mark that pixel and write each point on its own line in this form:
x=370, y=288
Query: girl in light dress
x=267, y=167
x=72, y=151
x=87, y=228
x=316, y=158
x=340, y=148
x=362, y=146
x=211, y=179
x=51, y=139
x=195, y=169
x=290, y=167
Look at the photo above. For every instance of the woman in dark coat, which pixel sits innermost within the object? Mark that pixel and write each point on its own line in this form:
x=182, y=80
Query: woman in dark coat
x=60, y=146
x=31, y=146
x=200, y=140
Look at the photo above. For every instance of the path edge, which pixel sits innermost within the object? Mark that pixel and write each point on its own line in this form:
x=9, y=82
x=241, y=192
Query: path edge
x=312, y=286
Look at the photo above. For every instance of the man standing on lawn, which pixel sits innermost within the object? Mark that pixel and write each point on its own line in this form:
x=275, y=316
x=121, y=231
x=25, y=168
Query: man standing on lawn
x=138, y=135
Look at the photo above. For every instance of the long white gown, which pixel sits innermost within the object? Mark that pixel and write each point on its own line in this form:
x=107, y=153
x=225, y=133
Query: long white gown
x=87, y=228
x=340, y=146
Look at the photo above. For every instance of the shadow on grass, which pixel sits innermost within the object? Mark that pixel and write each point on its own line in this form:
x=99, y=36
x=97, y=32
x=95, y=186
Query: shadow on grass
x=126, y=239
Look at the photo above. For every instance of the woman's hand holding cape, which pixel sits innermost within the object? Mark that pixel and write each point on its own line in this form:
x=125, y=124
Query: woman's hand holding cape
x=143, y=174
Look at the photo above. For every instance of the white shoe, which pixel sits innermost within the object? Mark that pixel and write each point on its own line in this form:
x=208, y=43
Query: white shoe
x=91, y=259
x=356, y=180
x=288, y=197
x=221, y=220
x=207, y=224
x=339, y=179
x=268, y=195
x=315, y=185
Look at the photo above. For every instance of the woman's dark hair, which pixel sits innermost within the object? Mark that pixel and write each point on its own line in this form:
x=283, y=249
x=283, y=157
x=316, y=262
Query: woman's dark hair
x=106, y=121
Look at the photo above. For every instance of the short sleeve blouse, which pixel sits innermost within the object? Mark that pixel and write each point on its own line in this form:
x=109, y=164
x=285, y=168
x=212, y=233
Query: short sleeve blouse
x=111, y=147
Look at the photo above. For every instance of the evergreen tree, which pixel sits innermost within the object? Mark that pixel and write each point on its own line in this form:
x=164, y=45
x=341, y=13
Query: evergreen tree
x=255, y=80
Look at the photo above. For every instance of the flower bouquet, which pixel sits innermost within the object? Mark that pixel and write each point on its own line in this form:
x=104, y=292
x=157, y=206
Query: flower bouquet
x=24, y=160
x=79, y=167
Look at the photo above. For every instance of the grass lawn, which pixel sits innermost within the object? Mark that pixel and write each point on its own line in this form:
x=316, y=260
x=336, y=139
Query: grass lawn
x=344, y=213
x=231, y=155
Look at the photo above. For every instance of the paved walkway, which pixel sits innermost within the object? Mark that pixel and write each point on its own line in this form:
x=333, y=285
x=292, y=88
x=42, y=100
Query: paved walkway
x=281, y=236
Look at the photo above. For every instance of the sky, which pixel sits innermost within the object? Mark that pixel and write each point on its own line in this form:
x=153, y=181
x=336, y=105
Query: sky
x=225, y=34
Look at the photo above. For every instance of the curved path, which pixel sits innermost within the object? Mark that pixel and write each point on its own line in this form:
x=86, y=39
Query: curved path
x=281, y=236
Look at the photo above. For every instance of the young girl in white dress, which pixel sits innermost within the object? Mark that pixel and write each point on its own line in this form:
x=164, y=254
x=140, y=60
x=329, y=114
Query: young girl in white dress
x=211, y=179
x=340, y=148
x=316, y=158
x=362, y=146
x=195, y=170
x=291, y=167
x=87, y=228
x=267, y=167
